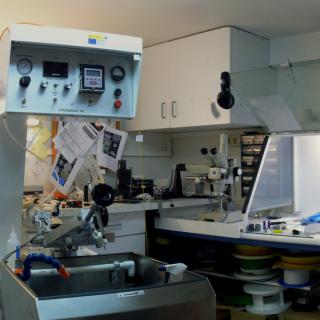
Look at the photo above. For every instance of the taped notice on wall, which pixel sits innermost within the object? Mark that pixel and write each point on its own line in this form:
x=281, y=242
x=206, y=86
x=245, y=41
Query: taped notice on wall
x=75, y=139
x=110, y=146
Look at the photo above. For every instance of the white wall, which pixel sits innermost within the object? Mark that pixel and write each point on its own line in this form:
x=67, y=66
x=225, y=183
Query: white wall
x=152, y=158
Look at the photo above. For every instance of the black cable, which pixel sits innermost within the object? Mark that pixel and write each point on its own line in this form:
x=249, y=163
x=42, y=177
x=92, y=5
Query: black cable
x=5, y=258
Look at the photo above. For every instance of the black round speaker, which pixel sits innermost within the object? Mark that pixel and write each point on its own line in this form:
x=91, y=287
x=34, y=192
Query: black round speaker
x=225, y=98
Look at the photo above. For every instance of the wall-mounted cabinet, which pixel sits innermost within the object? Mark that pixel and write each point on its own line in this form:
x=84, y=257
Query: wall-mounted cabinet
x=181, y=79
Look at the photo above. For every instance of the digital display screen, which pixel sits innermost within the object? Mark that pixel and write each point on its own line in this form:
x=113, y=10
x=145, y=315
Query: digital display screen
x=92, y=78
x=55, y=69
x=93, y=73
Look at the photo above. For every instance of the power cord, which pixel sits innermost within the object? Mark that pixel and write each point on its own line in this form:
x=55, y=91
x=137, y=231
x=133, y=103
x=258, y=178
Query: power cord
x=15, y=140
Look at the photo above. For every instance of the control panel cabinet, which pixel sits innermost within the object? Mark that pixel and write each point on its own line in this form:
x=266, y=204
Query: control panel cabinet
x=70, y=79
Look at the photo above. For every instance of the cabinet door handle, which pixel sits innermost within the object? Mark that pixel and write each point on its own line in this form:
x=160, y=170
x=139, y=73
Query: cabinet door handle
x=174, y=109
x=163, y=110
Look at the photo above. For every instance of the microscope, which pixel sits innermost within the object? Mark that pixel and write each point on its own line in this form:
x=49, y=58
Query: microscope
x=222, y=175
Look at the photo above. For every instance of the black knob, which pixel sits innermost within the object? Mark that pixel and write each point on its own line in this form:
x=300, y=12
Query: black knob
x=204, y=151
x=24, y=81
x=117, y=92
x=103, y=195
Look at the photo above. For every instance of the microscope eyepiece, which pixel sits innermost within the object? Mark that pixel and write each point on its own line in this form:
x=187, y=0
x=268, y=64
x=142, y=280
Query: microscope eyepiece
x=214, y=151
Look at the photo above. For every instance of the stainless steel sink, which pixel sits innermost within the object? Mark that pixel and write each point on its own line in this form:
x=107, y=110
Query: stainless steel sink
x=53, y=286
x=106, y=294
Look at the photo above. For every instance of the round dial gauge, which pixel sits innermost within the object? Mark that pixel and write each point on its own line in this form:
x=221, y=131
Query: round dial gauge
x=117, y=73
x=24, y=66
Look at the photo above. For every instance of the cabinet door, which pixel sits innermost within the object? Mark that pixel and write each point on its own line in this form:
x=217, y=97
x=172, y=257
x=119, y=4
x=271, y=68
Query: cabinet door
x=134, y=243
x=153, y=102
x=196, y=65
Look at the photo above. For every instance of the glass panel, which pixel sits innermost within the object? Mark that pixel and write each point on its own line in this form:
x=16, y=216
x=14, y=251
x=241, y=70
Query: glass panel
x=307, y=174
x=275, y=182
x=282, y=98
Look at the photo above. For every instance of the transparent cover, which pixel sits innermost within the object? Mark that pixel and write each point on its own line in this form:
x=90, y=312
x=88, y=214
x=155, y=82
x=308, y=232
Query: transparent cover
x=284, y=98
x=274, y=183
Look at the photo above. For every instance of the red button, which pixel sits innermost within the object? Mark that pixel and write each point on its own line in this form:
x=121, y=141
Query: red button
x=117, y=104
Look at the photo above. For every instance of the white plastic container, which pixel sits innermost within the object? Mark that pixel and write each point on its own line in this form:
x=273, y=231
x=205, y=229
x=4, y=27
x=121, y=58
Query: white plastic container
x=12, y=244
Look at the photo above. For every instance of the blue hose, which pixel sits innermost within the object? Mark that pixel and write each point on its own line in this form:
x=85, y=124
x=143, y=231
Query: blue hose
x=32, y=257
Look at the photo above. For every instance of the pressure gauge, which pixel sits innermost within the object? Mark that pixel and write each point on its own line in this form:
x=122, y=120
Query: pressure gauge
x=24, y=66
x=117, y=73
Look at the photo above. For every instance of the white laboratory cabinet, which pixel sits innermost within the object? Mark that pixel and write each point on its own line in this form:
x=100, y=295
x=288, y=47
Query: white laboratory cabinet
x=129, y=230
x=129, y=233
x=181, y=79
x=127, y=222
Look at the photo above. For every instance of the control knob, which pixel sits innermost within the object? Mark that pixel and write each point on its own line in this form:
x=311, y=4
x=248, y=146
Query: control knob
x=44, y=84
x=117, y=92
x=24, y=81
x=68, y=85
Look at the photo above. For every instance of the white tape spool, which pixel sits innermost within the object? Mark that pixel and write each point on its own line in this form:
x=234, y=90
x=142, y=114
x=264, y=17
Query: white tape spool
x=266, y=300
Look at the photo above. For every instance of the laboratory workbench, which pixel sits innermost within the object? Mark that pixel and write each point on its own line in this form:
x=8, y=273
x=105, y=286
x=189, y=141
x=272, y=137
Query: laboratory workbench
x=122, y=207
x=128, y=220
x=177, y=217
x=178, y=222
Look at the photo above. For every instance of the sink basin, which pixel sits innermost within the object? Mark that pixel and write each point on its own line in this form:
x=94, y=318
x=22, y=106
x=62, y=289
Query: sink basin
x=112, y=295
x=53, y=286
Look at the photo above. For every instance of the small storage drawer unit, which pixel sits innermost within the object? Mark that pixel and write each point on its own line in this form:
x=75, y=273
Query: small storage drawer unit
x=251, y=147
